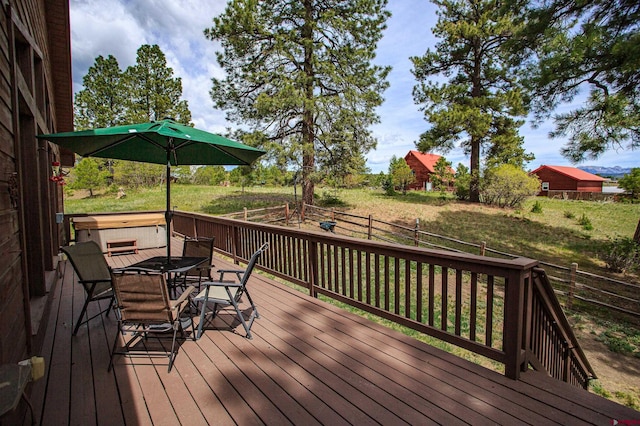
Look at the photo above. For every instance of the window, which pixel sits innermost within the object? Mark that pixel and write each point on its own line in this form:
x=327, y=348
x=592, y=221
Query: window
x=545, y=186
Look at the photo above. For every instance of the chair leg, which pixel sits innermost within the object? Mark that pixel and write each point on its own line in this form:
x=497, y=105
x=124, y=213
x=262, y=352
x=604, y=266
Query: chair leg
x=113, y=298
x=113, y=348
x=247, y=327
x=253, y=306
x=172, y=354
x=79, y=322
x=202, y=313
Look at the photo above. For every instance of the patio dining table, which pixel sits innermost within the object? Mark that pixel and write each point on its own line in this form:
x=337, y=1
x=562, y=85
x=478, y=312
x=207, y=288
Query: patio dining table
x=159, y=264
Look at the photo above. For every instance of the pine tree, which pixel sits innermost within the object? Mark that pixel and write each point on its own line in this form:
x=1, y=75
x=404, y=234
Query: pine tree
x=481, y=104
x=300, y=73
x=573, y=47
x=152, y=91
x=101, y=102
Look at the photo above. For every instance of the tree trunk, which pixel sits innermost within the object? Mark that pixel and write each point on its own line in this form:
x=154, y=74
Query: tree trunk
x=308, y=164
x=474, y=183
x=636, y=236
x=308, y=131
x=476, y=92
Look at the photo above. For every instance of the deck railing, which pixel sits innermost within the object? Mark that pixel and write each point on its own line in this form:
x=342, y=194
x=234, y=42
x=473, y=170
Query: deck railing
x=502, y=309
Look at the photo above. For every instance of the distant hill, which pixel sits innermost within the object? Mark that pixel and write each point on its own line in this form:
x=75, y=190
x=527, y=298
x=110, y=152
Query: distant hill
x=615, y=172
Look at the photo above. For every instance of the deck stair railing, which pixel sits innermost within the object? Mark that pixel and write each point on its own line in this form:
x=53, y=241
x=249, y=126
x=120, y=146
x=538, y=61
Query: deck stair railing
x=502, y=309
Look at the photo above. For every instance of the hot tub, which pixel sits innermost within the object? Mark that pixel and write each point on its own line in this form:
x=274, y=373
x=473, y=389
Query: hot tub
x=149, y=229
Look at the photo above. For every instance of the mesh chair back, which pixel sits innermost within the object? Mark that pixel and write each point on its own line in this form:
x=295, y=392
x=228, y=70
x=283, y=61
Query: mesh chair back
x=90, y=265
x=198, y=247
x=142, y=298
x=252, y=263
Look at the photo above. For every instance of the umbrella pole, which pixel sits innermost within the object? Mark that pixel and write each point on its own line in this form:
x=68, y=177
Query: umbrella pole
x=168, y=214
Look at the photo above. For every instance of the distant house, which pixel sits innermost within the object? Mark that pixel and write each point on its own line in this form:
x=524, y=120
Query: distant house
x=563, y=178
x=423, y=166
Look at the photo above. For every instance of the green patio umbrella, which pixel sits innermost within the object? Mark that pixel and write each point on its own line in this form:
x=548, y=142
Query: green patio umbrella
x=158, y=142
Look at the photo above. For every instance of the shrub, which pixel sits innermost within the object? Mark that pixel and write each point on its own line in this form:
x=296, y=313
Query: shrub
x=388, y=187
x=569, y=214
x=537, y=207
x=508, y=186
x=621, y=254
x=331, y=199
x=585, y=222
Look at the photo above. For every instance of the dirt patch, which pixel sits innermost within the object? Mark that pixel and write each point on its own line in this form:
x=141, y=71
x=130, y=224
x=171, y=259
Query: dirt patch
x=618, y=374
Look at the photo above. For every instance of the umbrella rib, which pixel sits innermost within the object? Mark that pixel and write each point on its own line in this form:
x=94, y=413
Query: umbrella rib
x=186, y=143
x=104, y=148
x=121, y=141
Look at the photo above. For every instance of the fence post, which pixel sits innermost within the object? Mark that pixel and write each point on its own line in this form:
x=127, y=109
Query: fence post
x=483, y=248
x=286, y=214
x=416, y=233
x=572, y=284
x=369, y=232
x=245, y=214
x=333, y=214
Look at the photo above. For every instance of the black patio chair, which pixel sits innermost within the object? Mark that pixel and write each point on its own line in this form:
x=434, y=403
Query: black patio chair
x=229, y=293
x=93, y=274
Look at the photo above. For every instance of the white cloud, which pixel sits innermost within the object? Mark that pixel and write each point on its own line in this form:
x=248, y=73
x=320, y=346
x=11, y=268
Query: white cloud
x=120, y=27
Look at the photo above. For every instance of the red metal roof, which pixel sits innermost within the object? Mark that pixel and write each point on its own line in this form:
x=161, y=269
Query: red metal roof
x=427, y=160
x=572, y=172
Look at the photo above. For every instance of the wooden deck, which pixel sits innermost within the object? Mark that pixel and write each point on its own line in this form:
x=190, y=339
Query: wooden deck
x=308, y=363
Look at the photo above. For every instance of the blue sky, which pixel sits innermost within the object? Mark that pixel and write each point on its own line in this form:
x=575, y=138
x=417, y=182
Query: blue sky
x=120, y=27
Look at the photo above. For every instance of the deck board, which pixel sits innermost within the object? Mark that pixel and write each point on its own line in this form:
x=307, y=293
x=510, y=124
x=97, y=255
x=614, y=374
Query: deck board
x=308, y=363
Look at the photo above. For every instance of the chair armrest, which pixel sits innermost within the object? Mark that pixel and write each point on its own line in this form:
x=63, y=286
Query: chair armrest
x=182, y=298
x=238, y=272
x=221, y=284
x=136, y=269
x=231, y=271
x=103, y=280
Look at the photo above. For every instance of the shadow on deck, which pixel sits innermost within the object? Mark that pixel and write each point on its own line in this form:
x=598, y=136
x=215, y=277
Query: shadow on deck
x=308, y=363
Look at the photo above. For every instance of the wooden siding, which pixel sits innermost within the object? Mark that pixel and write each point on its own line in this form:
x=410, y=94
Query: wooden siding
x=421, y=173
x=559, y=182
x=29, y=236
x=308, y=363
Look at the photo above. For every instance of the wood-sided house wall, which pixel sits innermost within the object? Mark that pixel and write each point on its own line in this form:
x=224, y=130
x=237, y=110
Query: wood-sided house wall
x=35, y=97
x=564, y=178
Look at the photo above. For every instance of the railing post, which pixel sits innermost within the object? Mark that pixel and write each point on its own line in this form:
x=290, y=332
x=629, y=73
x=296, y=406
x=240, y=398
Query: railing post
x=235, y=240
x=312, y=261
x=370, y=227
x=513, y=323
x=572, y=284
